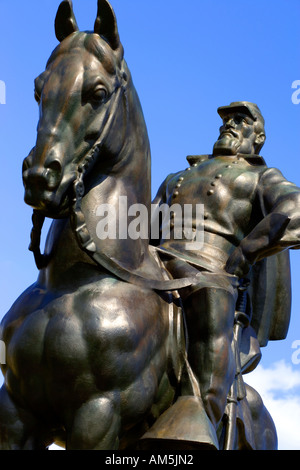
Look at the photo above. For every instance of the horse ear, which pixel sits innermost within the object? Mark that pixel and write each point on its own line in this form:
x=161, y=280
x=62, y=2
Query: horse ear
x=106, y=24
x=65, y=21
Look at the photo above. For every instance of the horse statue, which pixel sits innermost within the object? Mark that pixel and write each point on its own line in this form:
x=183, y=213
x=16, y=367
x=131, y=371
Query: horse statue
x=96, y=346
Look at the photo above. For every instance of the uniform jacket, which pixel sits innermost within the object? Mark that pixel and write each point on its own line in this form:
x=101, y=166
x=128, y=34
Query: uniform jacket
x=240, y=194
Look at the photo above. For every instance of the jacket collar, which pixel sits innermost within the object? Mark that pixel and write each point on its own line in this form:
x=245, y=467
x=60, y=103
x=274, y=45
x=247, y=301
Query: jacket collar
x=253, y=159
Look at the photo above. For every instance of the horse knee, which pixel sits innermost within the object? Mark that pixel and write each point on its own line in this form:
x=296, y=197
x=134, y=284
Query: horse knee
x=95, y=426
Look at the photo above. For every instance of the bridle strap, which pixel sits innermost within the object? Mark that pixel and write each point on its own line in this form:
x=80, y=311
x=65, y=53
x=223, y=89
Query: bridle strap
x=90, y=157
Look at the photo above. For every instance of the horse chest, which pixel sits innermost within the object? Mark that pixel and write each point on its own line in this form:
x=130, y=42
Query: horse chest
x=87, y=341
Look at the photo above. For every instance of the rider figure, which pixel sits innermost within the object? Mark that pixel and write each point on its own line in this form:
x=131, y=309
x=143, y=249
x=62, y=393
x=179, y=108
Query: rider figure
x=250, y=212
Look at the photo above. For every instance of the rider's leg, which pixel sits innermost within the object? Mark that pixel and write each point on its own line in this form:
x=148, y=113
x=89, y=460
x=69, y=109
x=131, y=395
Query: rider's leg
x=19, y=430
x=96, y=426
x=210, y=318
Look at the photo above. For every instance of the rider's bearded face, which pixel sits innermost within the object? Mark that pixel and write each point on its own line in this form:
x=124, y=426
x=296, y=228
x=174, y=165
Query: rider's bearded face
x=237, y=135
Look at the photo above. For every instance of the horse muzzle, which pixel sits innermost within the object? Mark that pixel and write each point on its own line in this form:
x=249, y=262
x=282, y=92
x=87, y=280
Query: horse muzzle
x=45, y=189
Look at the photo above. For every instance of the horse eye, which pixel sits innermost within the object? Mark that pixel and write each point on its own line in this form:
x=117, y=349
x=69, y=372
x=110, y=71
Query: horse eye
x=99, y=95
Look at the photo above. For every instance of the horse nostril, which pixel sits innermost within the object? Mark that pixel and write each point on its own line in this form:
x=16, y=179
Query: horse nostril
x=54, y=166
x=44, y=178
x=53, y=173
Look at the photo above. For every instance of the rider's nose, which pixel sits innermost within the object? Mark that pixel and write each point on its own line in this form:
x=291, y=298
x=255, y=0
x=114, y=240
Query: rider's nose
x=230, y=123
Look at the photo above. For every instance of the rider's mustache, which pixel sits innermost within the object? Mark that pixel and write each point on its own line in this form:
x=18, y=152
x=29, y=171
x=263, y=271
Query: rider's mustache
x=230, y=131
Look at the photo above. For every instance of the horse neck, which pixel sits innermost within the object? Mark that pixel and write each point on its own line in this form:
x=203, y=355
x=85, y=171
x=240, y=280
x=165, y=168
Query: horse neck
x=128, y=176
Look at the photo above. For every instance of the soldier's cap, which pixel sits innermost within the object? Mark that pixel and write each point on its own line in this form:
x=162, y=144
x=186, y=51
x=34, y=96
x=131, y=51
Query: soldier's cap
x=245, y=107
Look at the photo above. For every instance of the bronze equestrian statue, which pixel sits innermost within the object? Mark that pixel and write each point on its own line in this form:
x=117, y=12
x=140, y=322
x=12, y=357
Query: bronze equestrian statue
x=119, y=344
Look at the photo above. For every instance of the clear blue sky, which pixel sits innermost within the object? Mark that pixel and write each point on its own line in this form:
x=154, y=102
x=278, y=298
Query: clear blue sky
x=187, y=58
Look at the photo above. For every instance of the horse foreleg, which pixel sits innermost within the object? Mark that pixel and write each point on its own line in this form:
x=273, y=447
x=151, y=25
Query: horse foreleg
x=19, y=430
x=96, y=426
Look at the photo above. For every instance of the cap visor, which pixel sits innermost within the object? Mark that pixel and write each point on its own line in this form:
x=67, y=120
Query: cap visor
x=225, y=110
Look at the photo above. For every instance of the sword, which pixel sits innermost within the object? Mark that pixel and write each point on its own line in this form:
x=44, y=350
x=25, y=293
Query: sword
x=237, y=390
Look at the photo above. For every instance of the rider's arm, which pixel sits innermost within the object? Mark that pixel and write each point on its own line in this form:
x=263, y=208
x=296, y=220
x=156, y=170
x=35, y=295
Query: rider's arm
x=277, y=231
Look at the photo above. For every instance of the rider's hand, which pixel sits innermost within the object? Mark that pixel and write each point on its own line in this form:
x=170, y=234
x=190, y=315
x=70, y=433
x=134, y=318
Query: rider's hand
x=237, y=263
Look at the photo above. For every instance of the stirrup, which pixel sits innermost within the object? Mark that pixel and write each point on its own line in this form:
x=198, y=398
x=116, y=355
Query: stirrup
x=183, y=426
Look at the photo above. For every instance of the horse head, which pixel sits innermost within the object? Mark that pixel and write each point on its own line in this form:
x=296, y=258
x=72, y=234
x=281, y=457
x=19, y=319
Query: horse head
x=82, y=106
x=92, y=144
